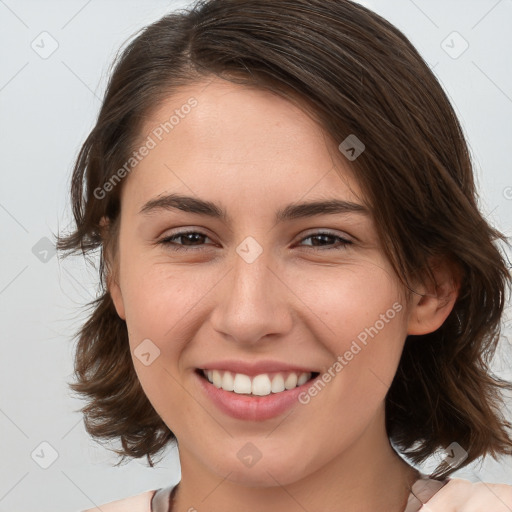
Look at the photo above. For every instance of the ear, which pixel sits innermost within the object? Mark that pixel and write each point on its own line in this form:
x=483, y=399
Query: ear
x=434, y=301
x=112, y=273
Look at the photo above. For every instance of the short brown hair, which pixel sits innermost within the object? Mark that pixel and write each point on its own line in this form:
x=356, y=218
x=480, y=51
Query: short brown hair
x=357, y=74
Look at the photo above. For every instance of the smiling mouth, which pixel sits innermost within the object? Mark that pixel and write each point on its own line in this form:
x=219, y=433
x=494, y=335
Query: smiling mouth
x=257, y=385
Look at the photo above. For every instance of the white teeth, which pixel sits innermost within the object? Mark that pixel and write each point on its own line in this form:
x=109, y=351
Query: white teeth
x=291, y=381
x=242, y=383
x=217, y=379
x=259, y=385
x=303, y=378
x=227, y=382
x=278, y=384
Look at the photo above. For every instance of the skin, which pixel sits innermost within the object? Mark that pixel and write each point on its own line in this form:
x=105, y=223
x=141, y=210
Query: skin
x=253, y=153
x=464, y=496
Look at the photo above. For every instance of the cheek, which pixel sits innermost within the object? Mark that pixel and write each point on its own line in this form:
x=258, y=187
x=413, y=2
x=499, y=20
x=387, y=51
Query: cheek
x=359, y=301
x=160, y=301
x=159, y=304
x=358, y=314
x=362, y=323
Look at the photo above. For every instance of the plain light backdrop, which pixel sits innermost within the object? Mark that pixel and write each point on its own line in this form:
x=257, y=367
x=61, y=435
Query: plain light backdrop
x=54, y=62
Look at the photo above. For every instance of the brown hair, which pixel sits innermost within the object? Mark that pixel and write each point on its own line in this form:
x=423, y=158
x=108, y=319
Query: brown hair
x=358, y=74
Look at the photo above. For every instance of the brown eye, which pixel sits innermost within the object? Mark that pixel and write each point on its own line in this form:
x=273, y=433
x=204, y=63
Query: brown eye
x=320, y=241
x=189, y=239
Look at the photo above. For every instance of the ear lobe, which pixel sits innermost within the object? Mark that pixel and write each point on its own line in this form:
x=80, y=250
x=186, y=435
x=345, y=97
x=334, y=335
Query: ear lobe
x=111, y=269
x=434, y=301
x=117, y=297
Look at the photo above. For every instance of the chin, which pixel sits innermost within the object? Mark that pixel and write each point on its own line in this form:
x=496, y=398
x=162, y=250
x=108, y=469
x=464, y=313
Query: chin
x=266, y=472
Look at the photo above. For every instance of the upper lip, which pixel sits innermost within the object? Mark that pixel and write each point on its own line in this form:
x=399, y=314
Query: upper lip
x=253, y=368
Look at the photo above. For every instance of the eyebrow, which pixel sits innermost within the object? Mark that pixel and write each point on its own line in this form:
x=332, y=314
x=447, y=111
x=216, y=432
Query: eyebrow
x=290, y=212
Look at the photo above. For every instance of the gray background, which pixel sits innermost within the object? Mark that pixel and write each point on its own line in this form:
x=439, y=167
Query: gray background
x=47, y=107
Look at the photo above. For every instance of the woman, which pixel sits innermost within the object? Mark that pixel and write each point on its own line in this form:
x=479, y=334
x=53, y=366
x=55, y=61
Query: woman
x=296, y=274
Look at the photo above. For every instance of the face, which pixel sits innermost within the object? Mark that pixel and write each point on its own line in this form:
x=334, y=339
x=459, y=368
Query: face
x=269, y=288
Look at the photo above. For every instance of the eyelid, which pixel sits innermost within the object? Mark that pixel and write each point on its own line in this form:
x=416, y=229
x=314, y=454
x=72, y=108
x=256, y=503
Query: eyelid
x=182, y=232
x=343, y=240
x=327, y=231
x=310, y=232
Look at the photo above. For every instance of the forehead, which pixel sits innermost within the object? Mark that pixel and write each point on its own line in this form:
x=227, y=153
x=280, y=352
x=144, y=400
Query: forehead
x=239, y=143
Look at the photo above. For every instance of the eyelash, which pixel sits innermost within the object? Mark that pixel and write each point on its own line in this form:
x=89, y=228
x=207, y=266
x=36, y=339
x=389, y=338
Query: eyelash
x=179, y=247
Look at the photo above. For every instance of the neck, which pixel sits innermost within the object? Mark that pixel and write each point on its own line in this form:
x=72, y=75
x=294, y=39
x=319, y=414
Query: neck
x=368, y=476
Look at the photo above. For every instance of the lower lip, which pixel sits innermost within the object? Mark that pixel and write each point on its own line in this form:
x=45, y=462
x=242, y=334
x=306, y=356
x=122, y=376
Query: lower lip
x=250, y=407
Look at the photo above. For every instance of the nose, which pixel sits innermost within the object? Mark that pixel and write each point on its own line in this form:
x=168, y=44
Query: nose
x=253, y=301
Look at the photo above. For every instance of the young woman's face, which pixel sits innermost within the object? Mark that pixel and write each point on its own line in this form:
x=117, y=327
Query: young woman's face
x=267, y=289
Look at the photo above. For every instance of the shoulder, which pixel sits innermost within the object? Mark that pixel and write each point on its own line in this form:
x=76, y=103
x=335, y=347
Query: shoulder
x=137, y=503
x=473, y=496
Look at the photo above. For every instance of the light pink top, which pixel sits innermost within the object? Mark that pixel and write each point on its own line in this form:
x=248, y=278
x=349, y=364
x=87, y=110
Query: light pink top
x=156, y=500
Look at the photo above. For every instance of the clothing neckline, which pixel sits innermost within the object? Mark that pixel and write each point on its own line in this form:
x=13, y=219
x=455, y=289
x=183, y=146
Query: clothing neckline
x=420, y=492
x=163, y=499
